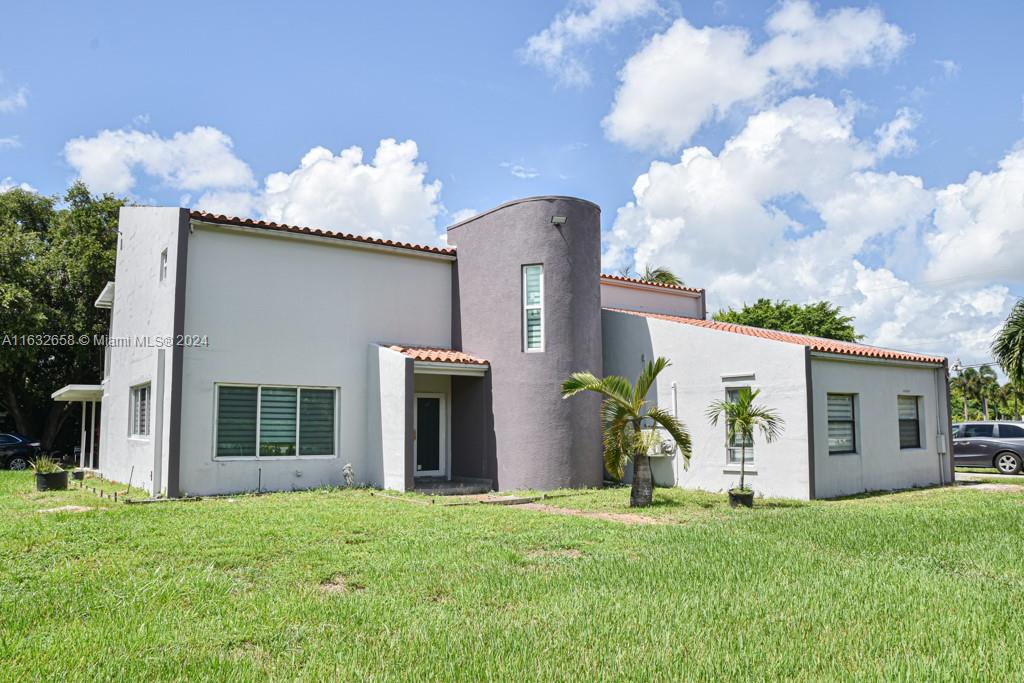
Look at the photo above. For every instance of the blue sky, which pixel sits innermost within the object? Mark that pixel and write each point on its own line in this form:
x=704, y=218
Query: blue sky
x=492, y=120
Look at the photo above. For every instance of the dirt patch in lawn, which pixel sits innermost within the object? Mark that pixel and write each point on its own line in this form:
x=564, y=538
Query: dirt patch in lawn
x=1007, y=488
x=66, y=508
x=339, y=583
x=621, y=517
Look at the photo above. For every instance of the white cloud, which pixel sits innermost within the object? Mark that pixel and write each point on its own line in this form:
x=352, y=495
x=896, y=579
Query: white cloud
x=13, y=101
x=687, y=76
x=11, y=141
x=793, y=206
x=389, y=196
x=196, y=160
x=950, y=69
x=555, y=48
x=519, y=170
x=461, y=215
x=894, y=137
x=9, y=184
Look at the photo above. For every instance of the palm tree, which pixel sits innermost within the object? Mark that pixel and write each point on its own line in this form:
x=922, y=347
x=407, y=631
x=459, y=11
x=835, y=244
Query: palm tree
x=988, y=386
x=630, y=424
x=1008, y=346
x=969, y=382
x=660, y=275
x=742, y=417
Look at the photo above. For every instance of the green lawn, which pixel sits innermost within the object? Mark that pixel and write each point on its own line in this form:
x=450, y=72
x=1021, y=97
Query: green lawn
x=923, y=585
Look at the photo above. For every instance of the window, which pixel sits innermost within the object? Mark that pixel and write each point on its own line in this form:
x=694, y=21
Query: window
x=163, y=265
x=533, y=308
x=738, y=447
x=7, y=440
x=977, y=432
x=910, y=421
x=272, y=421
x=140, y=410
x=842, y=426
x=1008, y=431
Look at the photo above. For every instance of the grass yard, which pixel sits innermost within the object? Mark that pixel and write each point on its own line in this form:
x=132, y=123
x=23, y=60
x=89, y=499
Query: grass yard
x=345, y=585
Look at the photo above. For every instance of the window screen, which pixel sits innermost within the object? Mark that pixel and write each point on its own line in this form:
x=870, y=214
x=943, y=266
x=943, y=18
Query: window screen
x=842, y=431
x=910, y=422
x=533, y=308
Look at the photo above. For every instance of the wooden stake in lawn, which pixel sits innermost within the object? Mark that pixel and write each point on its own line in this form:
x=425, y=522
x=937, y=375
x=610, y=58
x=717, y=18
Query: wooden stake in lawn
x=630, y=425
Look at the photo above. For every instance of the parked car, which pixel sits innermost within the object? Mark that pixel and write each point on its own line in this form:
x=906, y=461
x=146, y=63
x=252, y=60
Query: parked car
x=17, y=451
x=989, y=444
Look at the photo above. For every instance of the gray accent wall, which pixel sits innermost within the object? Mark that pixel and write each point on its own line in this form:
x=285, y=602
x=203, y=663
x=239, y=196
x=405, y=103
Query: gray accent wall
x=527, y=436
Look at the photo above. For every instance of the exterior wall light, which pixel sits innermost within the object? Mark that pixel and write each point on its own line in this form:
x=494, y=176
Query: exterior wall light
x=558, y=220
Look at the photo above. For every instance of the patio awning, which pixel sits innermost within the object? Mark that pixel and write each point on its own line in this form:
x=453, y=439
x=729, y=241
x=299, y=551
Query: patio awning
x=78, y=392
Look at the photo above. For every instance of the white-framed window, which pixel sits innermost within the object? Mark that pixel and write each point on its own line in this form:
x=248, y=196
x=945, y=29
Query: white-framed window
x=163, y=265
x=909, y=413
x=842, y=424
x=533, y=308
x=140, y=413
x=737, y=447
x=264, y=421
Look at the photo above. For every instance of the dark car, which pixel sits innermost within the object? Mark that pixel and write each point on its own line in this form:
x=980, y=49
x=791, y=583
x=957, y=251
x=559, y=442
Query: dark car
x=989, y=444
x=17, y=451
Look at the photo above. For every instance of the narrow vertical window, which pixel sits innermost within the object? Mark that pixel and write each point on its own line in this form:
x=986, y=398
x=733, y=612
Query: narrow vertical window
x=163, y=265
x=739, y=447
x=278, y=418
x=842, y=425
x=533, y=308
x=910, y=421
x=140, y=410
x=237, y=416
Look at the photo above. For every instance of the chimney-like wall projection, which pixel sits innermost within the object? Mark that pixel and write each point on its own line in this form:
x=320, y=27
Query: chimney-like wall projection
x=526, y=435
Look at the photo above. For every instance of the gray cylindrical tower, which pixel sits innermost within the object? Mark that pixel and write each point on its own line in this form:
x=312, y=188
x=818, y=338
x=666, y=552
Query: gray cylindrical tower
x=539, y=440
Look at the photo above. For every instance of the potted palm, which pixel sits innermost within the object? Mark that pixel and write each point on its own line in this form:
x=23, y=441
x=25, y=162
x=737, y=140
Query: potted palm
x=624, y=413
x=742, y=417
x=50, y=476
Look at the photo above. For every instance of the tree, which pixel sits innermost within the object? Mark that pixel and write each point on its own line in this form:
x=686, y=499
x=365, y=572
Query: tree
x=821, y=319
x=1008, y=346
x=988, y=387
x=629, y=424
x=55, y=257
x=660, y=275
x=742, y=418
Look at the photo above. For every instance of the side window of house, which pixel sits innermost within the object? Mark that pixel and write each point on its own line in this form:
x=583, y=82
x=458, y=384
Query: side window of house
x=842, y=424
x=163, y=265
x=738, y=446
x=140, y=413
x=533, y=308
x=266, y=421
x=908, y=408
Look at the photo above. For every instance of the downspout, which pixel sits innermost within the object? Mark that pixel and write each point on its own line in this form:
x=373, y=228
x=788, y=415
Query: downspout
x=809, y=388
x=942, y=397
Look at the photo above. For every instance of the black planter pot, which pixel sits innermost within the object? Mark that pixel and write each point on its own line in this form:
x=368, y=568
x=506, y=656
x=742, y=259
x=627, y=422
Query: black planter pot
x=78, y=475
x=744, y=498
x=52, y=481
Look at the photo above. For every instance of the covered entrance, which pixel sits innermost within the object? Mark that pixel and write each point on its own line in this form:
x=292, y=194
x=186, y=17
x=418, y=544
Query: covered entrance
x=90, y=396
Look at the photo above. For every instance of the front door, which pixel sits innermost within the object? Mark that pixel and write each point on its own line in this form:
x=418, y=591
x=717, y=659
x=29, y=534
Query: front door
x=428, y=437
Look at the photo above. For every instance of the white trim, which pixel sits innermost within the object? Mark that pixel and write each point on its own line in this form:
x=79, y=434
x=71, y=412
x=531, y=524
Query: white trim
x=442, y=436
x=338, y=242
x=259, y=394
x=531, y=307
x=739, y=377
x=649, y=287
x=426, y=367
x=842, y=357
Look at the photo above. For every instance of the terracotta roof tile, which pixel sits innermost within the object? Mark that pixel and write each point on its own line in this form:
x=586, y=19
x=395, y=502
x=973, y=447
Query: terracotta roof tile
x=814, y=343
x=282, y=227
x=438, y=355
x=638, y=281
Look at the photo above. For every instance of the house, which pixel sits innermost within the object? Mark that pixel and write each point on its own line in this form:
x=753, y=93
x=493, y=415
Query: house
x=247, y=355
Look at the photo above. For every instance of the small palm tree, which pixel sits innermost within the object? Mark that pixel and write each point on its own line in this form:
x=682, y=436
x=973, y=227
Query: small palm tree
x=1008, y=346
x=742, y=418
x=660, y=275
x=630, y=425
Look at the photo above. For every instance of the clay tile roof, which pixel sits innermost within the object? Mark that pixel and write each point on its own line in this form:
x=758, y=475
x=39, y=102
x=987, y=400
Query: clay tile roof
x=281, y=227
x=638, y=281
x=813, y=343
x=438, y=355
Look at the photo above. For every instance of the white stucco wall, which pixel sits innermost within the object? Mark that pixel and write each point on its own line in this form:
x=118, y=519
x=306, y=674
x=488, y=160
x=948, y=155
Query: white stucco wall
x=143, y=307
x=387, y=401
x=297, y=311
x=879, y=463
x=633, y=297
x=704, y=363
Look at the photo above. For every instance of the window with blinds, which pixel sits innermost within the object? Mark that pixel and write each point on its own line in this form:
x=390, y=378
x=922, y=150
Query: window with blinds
x=842, y=425
x=739, y=447
x=272, y=421
x=908, y=408
x=140, y=410
x=533, y=308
